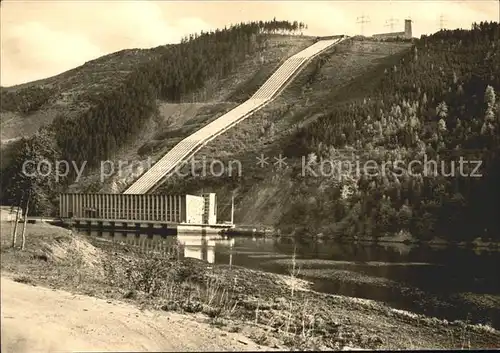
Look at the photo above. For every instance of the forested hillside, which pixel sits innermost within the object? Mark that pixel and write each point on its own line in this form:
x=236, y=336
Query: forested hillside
x=440, y=103
x=116, y=114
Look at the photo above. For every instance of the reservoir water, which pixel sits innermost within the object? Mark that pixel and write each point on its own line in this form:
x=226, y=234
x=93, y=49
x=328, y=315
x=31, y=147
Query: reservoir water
x=446, y=282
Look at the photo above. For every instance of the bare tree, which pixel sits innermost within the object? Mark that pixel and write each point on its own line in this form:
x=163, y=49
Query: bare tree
x=11, y=220
x=14, y=234
x=25, y=222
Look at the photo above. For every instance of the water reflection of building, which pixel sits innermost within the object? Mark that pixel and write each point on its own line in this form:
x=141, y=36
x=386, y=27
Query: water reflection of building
x=197, y=247
x=202, y=247
x=183, y=246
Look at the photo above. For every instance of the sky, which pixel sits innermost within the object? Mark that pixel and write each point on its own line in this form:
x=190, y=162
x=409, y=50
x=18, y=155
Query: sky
x=44, y=38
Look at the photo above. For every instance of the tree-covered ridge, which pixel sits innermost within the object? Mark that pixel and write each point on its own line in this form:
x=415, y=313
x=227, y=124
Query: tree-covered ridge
x=440, y=103
x=115, y=115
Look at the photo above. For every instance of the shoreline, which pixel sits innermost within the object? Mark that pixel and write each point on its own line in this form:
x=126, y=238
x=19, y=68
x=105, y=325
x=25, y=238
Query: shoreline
x=406, y=239
x=400, y=238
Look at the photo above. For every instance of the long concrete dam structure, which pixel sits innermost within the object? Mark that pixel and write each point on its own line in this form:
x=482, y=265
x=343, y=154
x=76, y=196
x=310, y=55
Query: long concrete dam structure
x=154, y=176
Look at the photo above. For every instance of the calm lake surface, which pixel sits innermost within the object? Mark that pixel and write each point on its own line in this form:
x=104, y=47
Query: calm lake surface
x=449, y=283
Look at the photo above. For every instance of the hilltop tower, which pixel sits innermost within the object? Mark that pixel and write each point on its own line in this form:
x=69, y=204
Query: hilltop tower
x=408, y=33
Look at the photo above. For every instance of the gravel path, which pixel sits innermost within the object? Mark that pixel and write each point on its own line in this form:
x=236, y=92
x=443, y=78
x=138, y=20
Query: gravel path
x=36, y=319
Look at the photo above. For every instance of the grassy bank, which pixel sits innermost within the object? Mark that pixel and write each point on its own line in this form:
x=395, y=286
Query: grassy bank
x=273, y=310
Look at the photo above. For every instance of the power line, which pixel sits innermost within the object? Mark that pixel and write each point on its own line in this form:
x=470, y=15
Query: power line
x=362, y=20
x=391, y=22
x=442, y=21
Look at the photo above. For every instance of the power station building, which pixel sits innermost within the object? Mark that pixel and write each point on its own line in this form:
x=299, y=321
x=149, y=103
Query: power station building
x=140, y=207
x=407, y=34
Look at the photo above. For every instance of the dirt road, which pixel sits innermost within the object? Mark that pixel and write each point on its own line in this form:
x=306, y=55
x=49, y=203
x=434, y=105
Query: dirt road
x=36, y=319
